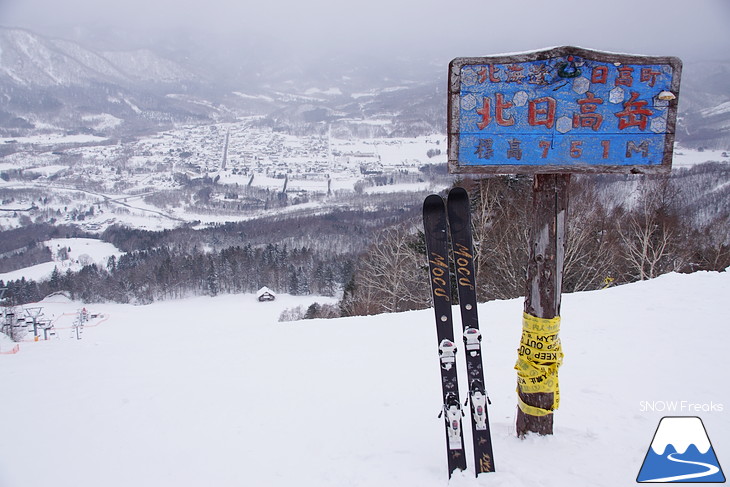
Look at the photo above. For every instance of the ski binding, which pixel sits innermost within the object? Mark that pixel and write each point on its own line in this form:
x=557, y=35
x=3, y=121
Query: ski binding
x=478, y=401
x=453, y=412
x=447, y=354
x=472, y=341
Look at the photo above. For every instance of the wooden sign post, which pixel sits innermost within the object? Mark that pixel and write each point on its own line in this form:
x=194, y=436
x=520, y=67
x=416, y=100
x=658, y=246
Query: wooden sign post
x=542, y=301
x=553, y=113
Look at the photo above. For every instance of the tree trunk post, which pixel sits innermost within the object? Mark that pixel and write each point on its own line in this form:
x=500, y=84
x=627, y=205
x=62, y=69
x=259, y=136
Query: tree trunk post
x=544, y=283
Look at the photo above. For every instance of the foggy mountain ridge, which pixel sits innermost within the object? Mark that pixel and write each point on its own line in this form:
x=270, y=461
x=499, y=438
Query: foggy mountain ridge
x=32, y=60
x=48, y=83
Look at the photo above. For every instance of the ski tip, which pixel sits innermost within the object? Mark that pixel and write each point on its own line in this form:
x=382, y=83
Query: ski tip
x=457, y=192
x=432, y=201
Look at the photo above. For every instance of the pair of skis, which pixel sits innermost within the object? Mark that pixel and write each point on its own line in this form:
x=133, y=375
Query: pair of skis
x=440, y=221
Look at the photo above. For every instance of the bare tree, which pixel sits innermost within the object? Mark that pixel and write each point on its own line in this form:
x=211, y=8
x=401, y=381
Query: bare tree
x=712, y=246
x=501, y=235
x=648, y=232
x=589, y=254
x=391, y=276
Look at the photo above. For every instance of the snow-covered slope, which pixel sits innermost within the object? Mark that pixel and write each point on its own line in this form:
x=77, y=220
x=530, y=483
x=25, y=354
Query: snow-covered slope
x=68, y=254
x=145, y=65
x=32, y=60
x=215, y=391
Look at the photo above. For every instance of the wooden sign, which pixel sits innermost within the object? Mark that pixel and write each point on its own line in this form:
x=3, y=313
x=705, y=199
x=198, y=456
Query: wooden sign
x=562, y=110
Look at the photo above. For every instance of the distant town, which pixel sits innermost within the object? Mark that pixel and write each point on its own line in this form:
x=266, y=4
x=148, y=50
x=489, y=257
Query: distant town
x=244, y=166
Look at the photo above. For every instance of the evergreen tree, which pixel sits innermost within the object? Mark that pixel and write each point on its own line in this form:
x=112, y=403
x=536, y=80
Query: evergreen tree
x=212, y=280
x=55, y=282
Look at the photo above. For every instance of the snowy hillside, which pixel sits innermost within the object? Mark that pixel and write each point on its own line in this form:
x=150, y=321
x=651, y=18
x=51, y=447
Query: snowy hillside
x=216, y=391
x=68, y=254
x=29, y=59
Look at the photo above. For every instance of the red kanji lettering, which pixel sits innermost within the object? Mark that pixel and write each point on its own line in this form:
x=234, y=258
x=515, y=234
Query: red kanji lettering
x=546, y=112
x=634, y=114
x=625, y=76
x=588, y=116
x=484, y=149
x=493, y=70
x=648, y=74
x=484, y=112
x=515, y=74
x=514, y=151
x=499, y=109
x=482, y=74
x=599, y=74
x=538, y=74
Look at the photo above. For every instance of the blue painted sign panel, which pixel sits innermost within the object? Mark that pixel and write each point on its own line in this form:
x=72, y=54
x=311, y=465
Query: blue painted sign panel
x=562, y=110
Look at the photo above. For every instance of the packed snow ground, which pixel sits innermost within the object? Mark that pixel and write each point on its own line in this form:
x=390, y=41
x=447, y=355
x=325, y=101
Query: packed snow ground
x=216, y=391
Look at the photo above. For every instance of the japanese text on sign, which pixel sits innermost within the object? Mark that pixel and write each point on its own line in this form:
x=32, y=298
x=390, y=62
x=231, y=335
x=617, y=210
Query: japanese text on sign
x=567, y=110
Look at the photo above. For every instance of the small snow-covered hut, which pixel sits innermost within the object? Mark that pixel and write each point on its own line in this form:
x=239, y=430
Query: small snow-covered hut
x=265, y=294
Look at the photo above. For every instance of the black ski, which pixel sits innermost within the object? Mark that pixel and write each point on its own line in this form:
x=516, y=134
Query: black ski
x=463, y=252
x=437, y=249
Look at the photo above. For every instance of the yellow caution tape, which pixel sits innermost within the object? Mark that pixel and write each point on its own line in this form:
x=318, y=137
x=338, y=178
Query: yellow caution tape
x=534, y=410
x=538, y=358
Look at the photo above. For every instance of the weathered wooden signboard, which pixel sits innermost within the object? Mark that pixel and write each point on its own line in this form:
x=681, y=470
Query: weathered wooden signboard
x=562, y=110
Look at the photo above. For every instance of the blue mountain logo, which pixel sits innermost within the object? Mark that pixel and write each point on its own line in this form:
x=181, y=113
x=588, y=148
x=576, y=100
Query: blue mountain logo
x=681, y=452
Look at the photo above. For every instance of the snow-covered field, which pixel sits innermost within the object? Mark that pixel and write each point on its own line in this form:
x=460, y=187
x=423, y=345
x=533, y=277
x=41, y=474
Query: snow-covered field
x=685, y=157
x=76, y=253
x=216, y=391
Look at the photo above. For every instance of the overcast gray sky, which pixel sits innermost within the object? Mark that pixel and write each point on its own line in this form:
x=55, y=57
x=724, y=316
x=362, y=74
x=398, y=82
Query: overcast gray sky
x=696, y=29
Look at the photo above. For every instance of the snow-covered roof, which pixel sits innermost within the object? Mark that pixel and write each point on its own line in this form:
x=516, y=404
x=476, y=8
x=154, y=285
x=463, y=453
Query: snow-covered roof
x=264, y=290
